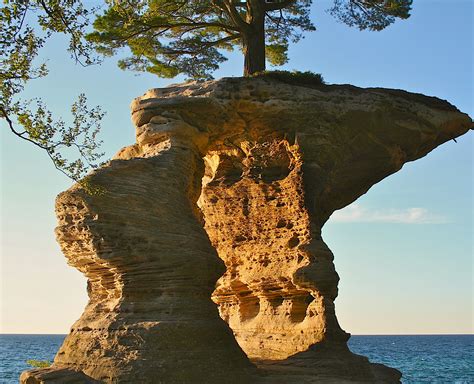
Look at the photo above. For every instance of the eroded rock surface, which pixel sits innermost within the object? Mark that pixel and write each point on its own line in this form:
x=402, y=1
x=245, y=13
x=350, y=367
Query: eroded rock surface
x=232, y=181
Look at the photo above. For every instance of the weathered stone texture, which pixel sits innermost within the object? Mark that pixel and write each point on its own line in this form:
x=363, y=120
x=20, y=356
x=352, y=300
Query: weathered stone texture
x=232, y=181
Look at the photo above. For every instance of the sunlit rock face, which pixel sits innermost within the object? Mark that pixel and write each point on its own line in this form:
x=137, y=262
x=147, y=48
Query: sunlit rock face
x=255, y=215
x=204, y=256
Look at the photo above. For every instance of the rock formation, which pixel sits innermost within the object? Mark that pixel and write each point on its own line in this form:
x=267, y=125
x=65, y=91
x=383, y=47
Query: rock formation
x=231, y=181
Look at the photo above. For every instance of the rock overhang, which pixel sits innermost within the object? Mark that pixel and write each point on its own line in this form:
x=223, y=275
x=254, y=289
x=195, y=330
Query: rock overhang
x=342, y=131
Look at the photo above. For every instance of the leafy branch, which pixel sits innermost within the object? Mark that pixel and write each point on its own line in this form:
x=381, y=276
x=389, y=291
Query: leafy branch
x=20, y=44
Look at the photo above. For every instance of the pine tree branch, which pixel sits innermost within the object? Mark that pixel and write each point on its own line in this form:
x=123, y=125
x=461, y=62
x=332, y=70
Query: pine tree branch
x=204, y=44
x=278, y=5
x=234, y=15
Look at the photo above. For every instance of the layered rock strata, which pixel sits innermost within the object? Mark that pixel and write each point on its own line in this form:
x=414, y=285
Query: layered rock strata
x=231, y=181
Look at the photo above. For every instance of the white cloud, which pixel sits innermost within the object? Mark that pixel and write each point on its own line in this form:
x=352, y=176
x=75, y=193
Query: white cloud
x=355, y=213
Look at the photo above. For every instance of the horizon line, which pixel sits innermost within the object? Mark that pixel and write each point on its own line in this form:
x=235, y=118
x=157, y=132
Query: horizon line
x=355, y=334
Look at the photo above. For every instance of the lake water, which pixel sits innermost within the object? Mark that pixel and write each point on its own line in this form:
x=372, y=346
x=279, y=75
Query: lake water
x=422, y=359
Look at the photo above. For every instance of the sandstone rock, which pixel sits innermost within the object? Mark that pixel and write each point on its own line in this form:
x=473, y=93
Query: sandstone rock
x=232, y=181
x=56, y=376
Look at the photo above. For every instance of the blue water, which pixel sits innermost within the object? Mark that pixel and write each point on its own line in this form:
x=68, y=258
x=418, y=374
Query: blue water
x=15, y=350
x=422, y=359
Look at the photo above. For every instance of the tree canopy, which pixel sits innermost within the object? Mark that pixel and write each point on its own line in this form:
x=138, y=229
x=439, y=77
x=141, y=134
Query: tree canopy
x=164, y=37
x=171, y=37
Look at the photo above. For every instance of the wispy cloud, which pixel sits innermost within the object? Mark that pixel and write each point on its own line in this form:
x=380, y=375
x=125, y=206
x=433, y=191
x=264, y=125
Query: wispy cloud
x=355, y=213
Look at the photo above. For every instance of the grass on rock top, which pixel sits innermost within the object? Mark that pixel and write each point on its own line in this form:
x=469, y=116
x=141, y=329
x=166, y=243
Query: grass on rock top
x=306, y=79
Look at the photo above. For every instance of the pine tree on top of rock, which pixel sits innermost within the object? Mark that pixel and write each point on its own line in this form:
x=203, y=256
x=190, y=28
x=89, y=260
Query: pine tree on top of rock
x=172, y=37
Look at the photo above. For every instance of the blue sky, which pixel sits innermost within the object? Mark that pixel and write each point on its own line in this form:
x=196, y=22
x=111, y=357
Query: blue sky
x=403, y=250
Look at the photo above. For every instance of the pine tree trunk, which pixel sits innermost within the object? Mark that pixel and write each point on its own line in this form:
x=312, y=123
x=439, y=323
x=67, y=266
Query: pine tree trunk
x=254, y=49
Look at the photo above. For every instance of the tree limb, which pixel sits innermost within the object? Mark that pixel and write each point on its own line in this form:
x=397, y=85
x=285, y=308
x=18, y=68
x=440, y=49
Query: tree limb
x=170, y=51
x=234, y=15
x=278, y=5
x=20, y=135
